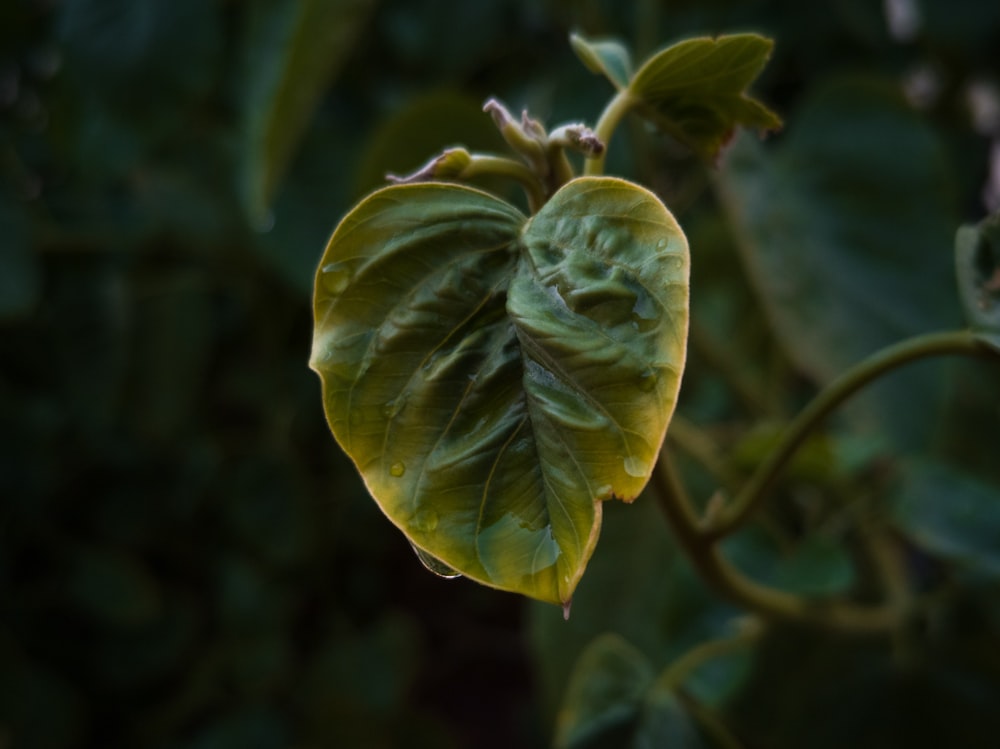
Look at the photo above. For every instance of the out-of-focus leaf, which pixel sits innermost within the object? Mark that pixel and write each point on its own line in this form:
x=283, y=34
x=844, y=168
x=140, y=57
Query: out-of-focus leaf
x=604, y=695
x=608, y=57
x=425, y=125
x=20, y=279
x=815, y=565
x=301, y=222
x=977, y=260
x=613, y=700
x=294, y=51
x=495, y=378
x=664, y=722
x=696, y=90
x=843, y=262
x=951, y=514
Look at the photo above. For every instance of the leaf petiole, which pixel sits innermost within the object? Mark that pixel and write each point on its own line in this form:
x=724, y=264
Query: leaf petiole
x=457, y=164
x=612, y=115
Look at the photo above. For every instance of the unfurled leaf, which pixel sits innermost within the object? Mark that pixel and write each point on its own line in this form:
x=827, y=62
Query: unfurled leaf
x=606, y=56
x=493, y=377
x=294, y=50
x=604, y=695
x=977, y=259
x=696, y=90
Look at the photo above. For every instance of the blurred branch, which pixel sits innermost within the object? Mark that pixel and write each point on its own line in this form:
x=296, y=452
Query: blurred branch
x=772, y=604
x=733, y=516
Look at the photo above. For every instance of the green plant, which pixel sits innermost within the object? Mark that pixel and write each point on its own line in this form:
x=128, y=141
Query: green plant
x=497, y=376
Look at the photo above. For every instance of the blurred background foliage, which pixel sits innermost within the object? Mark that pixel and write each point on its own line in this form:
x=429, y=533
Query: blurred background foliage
x=188, y=561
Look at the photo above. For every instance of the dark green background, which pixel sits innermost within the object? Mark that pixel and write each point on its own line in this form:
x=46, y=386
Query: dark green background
x=186, y=558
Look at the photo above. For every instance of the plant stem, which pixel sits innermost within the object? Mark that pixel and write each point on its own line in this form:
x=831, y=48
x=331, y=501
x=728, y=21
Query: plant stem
x=486, y=165
x=605, y=128
x=770, y=603
x=732, y=517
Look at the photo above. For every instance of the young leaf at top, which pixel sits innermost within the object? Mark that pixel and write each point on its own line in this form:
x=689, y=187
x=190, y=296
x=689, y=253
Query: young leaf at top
x=607, y=56
x=977, y=259
x=696, y=90
x=495, y=378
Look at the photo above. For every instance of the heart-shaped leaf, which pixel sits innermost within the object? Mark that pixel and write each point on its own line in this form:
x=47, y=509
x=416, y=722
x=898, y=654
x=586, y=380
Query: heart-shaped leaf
x=977, y=259
x=606, y=56
x=493, y=377
x=696, y=90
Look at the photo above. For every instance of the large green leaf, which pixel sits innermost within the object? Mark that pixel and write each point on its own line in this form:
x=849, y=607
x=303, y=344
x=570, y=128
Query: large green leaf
x=696, y=90
x=294, y=49
x=846, y=229
x=495, y=378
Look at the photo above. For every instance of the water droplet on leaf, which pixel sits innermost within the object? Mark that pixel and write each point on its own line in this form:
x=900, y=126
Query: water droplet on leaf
x=335, y=277
x=435, y=565
x=397, y=469
x=644, y=312
x=647, y=380
x=426, y=521
x=636, y=466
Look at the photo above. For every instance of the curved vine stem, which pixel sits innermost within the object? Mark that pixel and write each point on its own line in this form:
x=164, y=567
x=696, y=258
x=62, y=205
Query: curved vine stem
x=605, y=128
x=700, y=539
x=731, y=517
x=486, y=165
x=772, y=604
